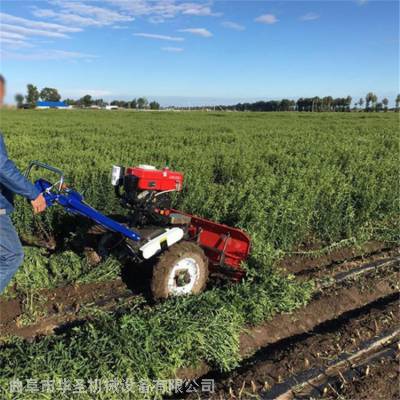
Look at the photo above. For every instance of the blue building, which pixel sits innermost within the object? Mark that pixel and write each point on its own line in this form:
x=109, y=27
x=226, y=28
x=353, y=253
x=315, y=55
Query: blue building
x=51, y=104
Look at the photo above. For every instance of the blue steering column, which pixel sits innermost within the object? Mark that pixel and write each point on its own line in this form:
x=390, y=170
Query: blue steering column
x=73, y=202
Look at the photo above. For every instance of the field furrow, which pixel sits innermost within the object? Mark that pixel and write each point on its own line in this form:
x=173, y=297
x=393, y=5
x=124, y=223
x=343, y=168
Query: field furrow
x=327, y=305
x=323, y=362
x=68, y=306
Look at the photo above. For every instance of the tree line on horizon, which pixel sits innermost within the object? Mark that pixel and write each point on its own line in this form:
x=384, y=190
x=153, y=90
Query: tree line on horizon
x=316, y=104
x=33, y=95
x=310, y=104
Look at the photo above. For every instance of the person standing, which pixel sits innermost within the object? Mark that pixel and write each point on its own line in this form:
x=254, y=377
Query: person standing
x=12, y=182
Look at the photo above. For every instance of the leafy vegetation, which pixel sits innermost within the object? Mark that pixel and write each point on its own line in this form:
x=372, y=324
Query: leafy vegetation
x=290, y=180
x=283, y=178
x=43, y=271
x=144, y=345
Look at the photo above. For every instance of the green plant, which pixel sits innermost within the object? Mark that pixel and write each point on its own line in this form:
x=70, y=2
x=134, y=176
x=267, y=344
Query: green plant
x=287, y=179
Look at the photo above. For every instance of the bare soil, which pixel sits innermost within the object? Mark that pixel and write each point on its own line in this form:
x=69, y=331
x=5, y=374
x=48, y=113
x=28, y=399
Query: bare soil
x=327, y=306
x=378, y=380
x=59, y=306
x=336, y=321
x=296, y=263
x=63, y=306
x=337, y=268
x=10, y=309
x=276, y=368
x=64, y=298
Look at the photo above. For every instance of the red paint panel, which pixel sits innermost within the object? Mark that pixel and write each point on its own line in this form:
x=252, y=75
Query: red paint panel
x=222, y=244
x=154, y=179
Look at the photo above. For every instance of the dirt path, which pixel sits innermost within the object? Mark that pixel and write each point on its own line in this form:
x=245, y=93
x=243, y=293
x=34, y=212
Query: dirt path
x=374, y=380
x=60, y=307
x=322, y=362
x=328, y=305
x=335, y=322
x=64, y=298
x=334, y=269
x=66, y=305
x=296, y=263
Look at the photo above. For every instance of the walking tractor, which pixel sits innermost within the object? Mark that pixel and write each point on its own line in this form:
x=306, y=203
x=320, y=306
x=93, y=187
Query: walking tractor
x=183, y=247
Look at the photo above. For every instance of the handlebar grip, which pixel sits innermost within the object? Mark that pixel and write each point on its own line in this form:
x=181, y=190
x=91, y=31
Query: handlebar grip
x=42, y=185
x=39, y=164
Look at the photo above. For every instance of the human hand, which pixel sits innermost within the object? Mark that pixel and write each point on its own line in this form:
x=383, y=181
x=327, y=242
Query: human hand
x=39, y=204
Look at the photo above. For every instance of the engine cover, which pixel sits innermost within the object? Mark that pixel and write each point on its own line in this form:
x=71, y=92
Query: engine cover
x=150, y=178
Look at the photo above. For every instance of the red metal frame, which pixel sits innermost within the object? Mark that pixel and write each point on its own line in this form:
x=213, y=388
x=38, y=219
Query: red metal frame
x=224, y=246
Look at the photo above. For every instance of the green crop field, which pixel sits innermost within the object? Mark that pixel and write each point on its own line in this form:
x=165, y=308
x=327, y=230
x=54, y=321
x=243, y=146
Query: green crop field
x=293, y=181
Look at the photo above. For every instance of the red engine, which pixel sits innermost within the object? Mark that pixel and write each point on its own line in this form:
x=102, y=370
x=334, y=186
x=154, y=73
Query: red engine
x=150, y=178
x=146, y=191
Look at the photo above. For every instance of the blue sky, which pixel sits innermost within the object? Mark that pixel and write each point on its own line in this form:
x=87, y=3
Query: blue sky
x=191, y=52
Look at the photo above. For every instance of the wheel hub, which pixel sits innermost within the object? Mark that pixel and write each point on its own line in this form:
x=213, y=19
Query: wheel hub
x=183, y=276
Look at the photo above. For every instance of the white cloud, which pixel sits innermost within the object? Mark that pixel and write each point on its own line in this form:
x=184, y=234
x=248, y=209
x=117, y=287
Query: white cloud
x=160, y=37
x=267, y=19
x=233, y=25
x=197, y=31
x=311, y=16
x=198, y=10
x=74, y=19
x=362, y=2
x=31, y=32
x=19, y=33
x=60, y=18
x=11, y=19
x=13, y=43
x=47, y=55
x=43, y=13
x=11, y=35
x=159, y=10
x=172, y=49
x=80, y=14
x=103, y=14
x=136, y=8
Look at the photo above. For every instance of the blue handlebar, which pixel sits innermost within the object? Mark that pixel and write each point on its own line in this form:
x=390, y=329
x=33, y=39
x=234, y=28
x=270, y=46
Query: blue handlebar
x=73, y=202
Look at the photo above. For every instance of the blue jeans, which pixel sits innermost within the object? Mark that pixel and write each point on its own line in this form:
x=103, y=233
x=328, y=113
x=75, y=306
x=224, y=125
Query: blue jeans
x=11, y=252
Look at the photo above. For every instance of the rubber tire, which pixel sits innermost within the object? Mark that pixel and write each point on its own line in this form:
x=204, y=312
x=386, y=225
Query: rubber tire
x=162, y=270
